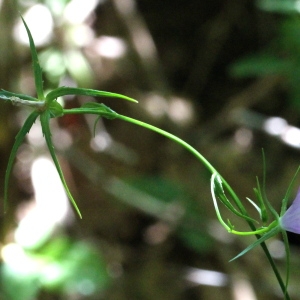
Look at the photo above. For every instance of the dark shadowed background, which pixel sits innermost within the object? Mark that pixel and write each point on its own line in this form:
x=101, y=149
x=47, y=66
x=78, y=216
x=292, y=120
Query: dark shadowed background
x=222, y=75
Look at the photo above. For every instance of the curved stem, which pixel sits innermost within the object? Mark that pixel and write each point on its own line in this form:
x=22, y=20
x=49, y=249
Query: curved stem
x=230, y=228
x=258, y=231
x=226, y=185
x=206, y=163
x=199, y=156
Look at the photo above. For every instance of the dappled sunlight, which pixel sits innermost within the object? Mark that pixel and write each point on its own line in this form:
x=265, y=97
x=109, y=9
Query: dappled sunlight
x=292, y=136
x=180, y=111
x=101, y=141
x=77, y=11
x=41, y=255
x=244, y=138
x=275, y=126
x=48, y=190
x=242, y=289
x=35, y=136
x=81, y=35
x=109, y=47
x=280, y=128
x=207, y=277
x=40, y=20
x=15, y=257
x=156, y=105
x=277, y=249
x=214, y=85
x=51, y=206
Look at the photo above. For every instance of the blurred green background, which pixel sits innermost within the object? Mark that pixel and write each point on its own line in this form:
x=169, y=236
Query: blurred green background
x=222, y=75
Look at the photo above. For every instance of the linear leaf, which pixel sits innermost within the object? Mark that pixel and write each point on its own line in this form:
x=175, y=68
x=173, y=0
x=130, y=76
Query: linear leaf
x=18, y=141
x=63, y=90
x=101, y=109
x=35, y=64
x=263, y=238
x=6, y=95
x=288, y=192
x=45, y=119
x=260, y=198
x=55, y=109
x=220, y=193
x=255, y=206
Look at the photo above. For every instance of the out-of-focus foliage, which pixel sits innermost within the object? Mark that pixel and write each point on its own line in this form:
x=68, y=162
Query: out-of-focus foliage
x=172, y=204
x=63, y=266
x=174, y=58
x=282, y=56
x=279, y=6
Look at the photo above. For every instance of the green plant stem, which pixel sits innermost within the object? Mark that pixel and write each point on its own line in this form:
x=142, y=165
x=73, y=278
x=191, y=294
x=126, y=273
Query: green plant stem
x=206, y=163
x=259, y=231
x=229, y=189
x=287, y=255
x=191, y=149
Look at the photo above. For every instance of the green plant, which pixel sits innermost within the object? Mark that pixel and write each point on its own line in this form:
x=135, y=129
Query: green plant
x=47, y=107
x=280, y=57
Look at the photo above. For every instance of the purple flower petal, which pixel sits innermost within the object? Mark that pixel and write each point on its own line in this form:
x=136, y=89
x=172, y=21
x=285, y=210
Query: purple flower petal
x=290, y=221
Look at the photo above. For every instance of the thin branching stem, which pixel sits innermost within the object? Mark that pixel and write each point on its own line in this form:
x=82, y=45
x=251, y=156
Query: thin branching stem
x=209, y=166
x=235, y=198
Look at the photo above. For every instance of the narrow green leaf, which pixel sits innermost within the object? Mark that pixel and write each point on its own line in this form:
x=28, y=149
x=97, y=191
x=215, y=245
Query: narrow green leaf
x=100, y=108
x=6, y=95
x=263, y=238
x=18, y=141
x=288, y=192
x=255, y=206
x=103, y=111
x=63, y=90
x=45, y=119
x=213, y=181
x=55, y=109
x=219, y=192
x=94, y=129
x=93, y=108
x=231, y=226
x=260, y=64
x=96, y=105
x=260, y=198
x=264, y=194
x=35, y=64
